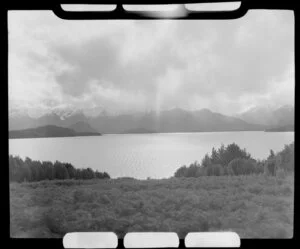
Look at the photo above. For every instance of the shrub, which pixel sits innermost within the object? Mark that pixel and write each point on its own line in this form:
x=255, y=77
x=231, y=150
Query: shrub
x=283, y=159
x=270, y=167
x=281, y=233
x=214, y=170
x=105, y=199
x=240, y=166
x=280, y=174
x=82, y=195
x=259, y=167
x=255, y=189
x=238, y=205
x=229, y=170
x=214, y=223
x=287, y=157
x=193, y=170
x=286, y=190
x=224, y=155
x=181, y=171
x=54, y=220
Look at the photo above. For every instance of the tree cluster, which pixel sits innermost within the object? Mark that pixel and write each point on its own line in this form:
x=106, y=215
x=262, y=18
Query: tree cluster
x=281, y=161
x=30, y=170
x=232, y=160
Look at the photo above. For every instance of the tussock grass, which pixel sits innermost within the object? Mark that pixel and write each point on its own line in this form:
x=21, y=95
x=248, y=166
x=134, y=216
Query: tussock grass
x=254, y=206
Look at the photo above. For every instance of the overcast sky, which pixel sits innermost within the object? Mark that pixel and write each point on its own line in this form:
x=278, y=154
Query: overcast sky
x=123, y=66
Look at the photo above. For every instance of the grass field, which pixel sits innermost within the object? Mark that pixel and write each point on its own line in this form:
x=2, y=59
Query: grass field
x=253, y=206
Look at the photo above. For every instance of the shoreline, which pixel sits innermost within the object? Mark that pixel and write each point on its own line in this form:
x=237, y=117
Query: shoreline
x=153, y=133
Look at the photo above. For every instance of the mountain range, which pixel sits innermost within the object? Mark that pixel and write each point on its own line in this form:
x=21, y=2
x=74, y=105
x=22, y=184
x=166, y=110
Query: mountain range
x=174, y=120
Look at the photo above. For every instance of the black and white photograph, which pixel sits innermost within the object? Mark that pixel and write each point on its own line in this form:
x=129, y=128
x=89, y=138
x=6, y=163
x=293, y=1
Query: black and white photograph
x=151, y=125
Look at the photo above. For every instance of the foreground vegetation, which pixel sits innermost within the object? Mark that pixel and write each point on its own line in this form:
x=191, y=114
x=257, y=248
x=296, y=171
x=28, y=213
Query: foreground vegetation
x=228, y=191
x=255, y=206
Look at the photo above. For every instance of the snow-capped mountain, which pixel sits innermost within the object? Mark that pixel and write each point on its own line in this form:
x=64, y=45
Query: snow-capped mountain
x=57, y=117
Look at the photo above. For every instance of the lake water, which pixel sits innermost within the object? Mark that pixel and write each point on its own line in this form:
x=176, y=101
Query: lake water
x=144, y=155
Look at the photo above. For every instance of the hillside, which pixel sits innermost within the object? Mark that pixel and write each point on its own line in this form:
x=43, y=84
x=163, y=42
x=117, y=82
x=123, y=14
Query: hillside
x=281, y=128
x=272, y=117
x=48, y=131
x=82, y=126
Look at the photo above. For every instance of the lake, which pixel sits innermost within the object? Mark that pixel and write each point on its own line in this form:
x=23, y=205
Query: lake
x=144, y=155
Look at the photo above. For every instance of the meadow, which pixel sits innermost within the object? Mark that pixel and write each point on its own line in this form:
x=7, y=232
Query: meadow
x=254, y=206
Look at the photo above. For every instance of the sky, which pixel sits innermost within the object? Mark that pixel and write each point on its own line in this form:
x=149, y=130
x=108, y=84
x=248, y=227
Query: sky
x=123, y=66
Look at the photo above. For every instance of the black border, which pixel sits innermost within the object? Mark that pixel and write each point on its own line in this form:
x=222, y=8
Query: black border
x=120, y=14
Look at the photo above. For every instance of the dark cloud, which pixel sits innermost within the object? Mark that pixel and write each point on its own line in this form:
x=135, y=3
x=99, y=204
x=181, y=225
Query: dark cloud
x=95, y=59
x=99, y=59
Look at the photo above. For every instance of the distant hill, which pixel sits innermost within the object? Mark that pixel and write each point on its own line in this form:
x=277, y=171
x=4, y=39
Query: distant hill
x=23, y=121
x=272, y=117
x=82, y=126
x=138, y=131
x=281, y=128
x=48, y=131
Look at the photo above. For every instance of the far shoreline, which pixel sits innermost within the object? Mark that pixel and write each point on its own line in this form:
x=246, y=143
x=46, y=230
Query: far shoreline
x=94, y=135
x=164, y=133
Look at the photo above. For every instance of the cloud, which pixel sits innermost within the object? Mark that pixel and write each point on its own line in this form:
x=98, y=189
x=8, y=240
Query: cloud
x=134, y=61
x=95, y=59
x=122, y=66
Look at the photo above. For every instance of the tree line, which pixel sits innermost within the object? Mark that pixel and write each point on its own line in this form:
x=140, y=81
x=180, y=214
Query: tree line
x=31, y=170
x=232, y=160
x=229, y=160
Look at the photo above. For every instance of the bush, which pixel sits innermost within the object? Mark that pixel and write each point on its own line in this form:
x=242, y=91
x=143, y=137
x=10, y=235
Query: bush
x=286, y=190
x=193, y=170
x=259, y=167
x=241, y=166
x=283, y=160
x=214, y=170
x=202, y=172
x=53, y=219
x=287, y=157
x=81, y=195
x=256, y=189
x=224, y=155
x=270, y=167
x=280, y=174
x=181, y=172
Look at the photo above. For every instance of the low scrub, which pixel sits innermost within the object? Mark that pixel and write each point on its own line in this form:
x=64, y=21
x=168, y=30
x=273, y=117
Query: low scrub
x=245, y=204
